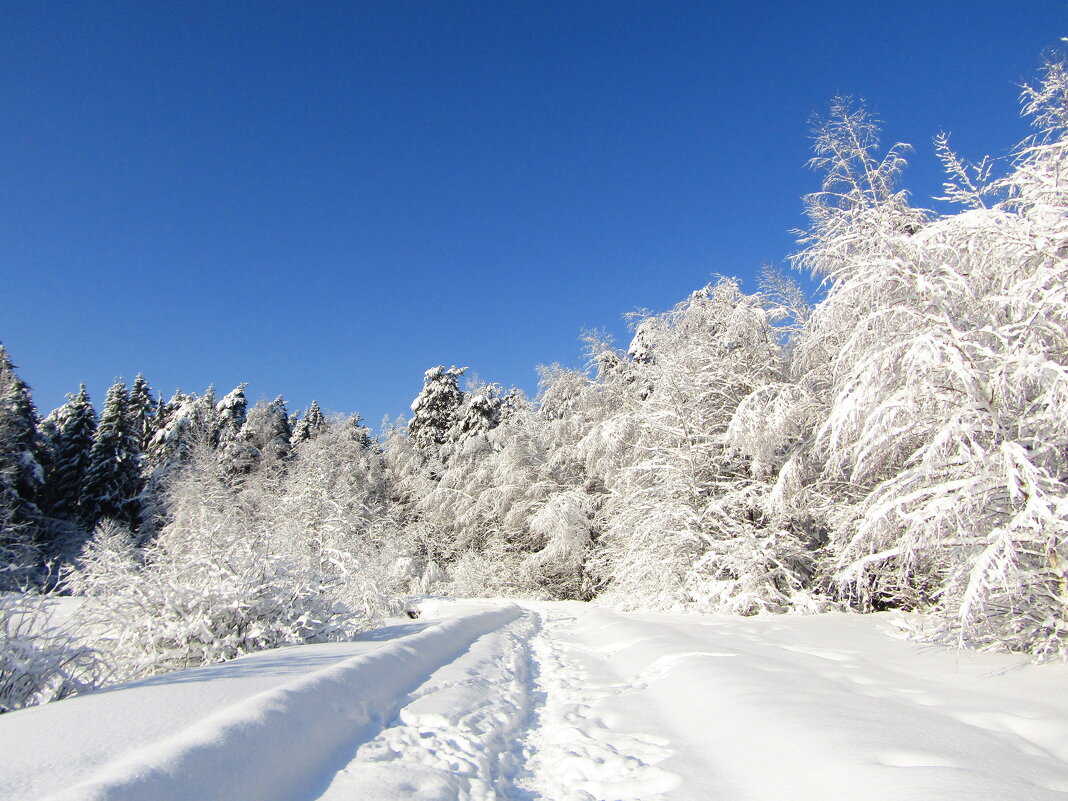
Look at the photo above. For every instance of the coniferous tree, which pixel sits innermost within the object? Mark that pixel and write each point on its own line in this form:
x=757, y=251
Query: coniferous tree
x=235, y=451
x=434, y=411
x=310, y=425
x=188, y=422
x=480, y=412
x=142, y=410
x=164, y=410
x=113, y=475
x=264, y=440
x=358, y=432
x=278, y=442
x=72, y=440
x=206, y=414
x=232, y=411
x=47, y=430
x=172, y=440
x=21, y=475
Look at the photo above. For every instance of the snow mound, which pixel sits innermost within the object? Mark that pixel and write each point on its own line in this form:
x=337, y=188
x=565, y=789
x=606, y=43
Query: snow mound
x=282, y=743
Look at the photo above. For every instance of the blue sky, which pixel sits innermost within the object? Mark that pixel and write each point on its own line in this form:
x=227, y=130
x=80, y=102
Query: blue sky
x=326, y=199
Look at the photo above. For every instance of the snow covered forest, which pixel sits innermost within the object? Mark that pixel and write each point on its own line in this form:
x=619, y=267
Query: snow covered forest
x=901, y=444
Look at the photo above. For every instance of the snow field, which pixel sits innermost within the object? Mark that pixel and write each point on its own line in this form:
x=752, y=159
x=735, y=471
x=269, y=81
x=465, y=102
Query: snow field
x=829, y=706
x=490, y=701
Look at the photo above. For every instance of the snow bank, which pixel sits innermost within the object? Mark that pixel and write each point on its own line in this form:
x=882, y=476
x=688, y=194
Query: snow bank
x=288, y=741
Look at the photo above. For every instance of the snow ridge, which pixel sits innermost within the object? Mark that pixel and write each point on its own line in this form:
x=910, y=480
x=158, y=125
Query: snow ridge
x=286, y=742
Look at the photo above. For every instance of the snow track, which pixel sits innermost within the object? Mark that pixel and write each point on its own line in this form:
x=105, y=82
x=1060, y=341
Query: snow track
x=490, y=701
x=453, y=737
x=581, y=748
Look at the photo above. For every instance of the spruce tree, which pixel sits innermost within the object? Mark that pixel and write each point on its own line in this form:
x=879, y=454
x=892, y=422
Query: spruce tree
x=72, y=441
x=231, y=412
x=310, y=425
x=142, y=412
x=187, y=421
x=265, y=439
x=481, y=412
x=435, y=410
x=168, y=442
x=358, y=432
x=206, y=417
x=21, y=475
x=113, y=476
x=279, y=432
x=234, y=452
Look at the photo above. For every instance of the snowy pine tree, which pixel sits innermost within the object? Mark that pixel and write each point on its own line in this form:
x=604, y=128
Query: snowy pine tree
x=310, y=425
x=277, y=432
x=264, y=440
x=480, y=412
x=113, y=475
x=187, y=422
x=142, y=410
x=435, y=409
x=74, y=432
x=232, y=412
x=21, y=475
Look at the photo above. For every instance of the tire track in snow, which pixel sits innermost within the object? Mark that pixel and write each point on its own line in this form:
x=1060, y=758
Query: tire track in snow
x=280, y=744
x=456, y=736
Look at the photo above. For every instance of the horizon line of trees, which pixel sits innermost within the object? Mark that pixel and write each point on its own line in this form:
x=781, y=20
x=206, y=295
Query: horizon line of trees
x=63, y=474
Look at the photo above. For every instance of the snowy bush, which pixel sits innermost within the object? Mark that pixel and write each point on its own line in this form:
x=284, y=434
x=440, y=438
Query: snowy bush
x=39, y=662
x=495, y=570
x=563, y=525
x=210, y=588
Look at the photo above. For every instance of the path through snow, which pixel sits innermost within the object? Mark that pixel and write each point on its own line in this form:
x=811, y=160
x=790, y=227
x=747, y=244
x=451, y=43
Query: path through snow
x=565, y=702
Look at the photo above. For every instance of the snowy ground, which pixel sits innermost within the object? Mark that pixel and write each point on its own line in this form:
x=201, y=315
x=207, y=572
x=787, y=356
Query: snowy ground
x=484, y=700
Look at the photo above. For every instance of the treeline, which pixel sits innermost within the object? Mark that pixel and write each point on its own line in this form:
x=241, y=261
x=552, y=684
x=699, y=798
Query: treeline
x=62, y=475
x=903, y=444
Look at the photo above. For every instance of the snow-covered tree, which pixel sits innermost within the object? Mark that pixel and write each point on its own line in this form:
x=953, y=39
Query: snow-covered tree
x=186, y=423
x=142, y=410
x=310, y=424
x=435, y=409
x=933, y=374
x=21, y=475
x=73, y=434
x=113, y=475
x=686, y=523
x=231, y=411
x=264, y=440
x=269, y=428
x=330, y=510
x=480, y=412
x=234, y=452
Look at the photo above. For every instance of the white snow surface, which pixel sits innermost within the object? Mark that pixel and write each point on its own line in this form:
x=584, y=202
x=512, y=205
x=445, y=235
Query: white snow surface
x=569, y=702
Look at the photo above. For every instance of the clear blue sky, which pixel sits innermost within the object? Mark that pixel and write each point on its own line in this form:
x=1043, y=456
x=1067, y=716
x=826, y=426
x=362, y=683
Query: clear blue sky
x=326, y=199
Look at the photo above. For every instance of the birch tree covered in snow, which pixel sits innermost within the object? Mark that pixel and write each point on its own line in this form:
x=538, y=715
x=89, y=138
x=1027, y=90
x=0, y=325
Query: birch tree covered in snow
x=687, y=525
x=941, y=348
